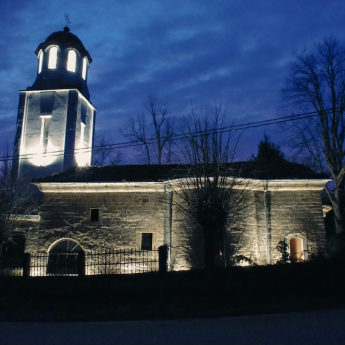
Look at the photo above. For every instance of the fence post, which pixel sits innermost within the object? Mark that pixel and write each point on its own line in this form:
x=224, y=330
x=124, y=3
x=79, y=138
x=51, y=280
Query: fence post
x=81, y=263
x=26, y=264
x=163, y=258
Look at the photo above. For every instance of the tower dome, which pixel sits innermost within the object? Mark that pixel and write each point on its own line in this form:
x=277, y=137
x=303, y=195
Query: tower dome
x=63, y=63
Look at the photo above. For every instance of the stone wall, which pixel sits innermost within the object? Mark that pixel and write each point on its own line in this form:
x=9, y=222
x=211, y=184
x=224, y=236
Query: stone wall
x=289, y=214
x=123, y=217
x=296, y=213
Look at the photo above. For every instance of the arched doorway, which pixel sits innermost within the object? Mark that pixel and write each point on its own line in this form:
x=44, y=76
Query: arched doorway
x=296, y=249
x=63, y=258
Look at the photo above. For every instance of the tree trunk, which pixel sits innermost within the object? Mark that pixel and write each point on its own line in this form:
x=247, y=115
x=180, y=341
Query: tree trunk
x=338, y=213
x=209, y=249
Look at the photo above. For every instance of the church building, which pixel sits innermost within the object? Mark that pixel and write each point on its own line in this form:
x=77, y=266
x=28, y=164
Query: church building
x=99, y=208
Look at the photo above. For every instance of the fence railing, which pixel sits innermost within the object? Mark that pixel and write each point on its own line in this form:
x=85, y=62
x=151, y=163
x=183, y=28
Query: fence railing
x=123, y=261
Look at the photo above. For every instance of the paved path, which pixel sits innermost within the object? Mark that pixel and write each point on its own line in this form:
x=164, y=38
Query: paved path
x=312, y=327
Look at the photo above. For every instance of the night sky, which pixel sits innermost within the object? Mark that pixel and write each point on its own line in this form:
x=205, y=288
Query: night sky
x=235, y=52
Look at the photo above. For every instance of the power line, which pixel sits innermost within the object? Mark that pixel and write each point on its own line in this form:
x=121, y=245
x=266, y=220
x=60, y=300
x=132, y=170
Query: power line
x=151, y=141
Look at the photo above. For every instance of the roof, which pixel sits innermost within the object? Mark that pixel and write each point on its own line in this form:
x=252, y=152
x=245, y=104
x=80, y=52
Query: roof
x=62, y=38
x=156, y=173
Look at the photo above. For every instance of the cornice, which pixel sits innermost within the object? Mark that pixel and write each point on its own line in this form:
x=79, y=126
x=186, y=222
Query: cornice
x=164, y=186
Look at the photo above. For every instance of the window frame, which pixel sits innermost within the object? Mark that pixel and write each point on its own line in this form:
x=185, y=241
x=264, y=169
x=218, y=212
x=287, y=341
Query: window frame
x=304, y=240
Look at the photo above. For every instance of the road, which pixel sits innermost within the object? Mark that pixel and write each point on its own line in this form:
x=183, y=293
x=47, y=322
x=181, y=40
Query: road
x=311, y=327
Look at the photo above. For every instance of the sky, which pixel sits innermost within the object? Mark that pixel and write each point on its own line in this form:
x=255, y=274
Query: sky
x=236, y=53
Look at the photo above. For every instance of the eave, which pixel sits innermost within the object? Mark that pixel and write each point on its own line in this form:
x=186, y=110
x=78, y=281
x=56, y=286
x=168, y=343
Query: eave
x=164, y=186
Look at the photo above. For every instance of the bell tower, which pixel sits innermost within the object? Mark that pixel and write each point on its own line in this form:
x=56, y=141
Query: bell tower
x=56, y=120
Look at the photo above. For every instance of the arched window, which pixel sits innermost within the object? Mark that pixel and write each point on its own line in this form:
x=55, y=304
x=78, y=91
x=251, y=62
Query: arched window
x=71, y=60
x=40, y=61
x=84, y=68
x=52, y=58
x=65, y=246
x=63, y=258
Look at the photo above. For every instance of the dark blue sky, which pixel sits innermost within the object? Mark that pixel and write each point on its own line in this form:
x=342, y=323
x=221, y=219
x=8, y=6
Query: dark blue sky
x=237, y=52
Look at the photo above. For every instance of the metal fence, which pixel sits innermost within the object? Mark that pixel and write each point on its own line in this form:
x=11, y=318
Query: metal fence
x=11, y=265
x=123, y=261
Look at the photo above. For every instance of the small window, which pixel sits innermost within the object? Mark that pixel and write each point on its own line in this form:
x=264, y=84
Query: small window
x=40, y=61
x=296, y=249
x=94, y=214
x=84, y=68
x=52, y=58
x=146, y=241
x=71, y=60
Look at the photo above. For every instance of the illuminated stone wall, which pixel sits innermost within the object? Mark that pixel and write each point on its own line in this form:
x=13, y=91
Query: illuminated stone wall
x=292, y=211
x=289, y=213
x=123, y=217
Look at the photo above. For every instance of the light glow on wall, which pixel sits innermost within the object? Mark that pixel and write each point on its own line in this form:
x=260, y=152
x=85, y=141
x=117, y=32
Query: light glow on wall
x=45, y=153
x=83, y=152
x=82, y=132
x=52, y=58
x=71, y=60
x=83, y=155
x=38, y=158
x=40, y=61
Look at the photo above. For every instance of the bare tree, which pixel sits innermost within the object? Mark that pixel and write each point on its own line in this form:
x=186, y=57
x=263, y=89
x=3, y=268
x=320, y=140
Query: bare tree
x=16, y=201
x=155, y=137
x=317, y=83
x=104, y=152
x=209, y=195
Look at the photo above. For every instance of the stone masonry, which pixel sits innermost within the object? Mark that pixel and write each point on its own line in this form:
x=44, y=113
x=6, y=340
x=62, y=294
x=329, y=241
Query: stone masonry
x=280, y=211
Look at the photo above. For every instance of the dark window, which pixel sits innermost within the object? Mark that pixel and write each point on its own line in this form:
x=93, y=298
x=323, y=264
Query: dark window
x=47, y=102
x=146, y=241
x=94, y=215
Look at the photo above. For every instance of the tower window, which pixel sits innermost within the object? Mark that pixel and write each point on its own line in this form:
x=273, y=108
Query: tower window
x=40, y=61
x=71, y=60
x=52, y=58
x=84, y=68
x=44, y=132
